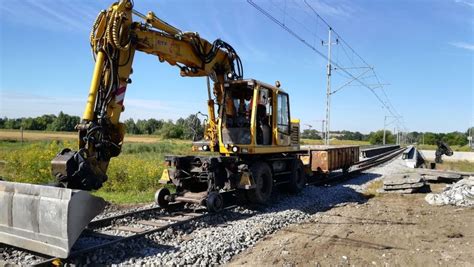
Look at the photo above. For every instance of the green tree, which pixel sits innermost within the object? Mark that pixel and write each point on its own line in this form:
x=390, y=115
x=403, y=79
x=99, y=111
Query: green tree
x=29, y=124
x=43, y=122
x=348, y=135
x=470, y=131
x=430, y=138
x=131, y=127
x=64, y=122
x=12, y=124
x=310, y=134
x=192, y=127
x=456, y=138
x=142, y=126
x=376, y=138
x=153, y=125
x=171, y=130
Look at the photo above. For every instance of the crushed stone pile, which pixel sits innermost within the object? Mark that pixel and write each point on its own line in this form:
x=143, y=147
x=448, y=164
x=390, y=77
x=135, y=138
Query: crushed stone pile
x=457, y=194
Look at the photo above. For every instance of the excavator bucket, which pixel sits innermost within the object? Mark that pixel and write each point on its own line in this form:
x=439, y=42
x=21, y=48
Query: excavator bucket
x=45, y=219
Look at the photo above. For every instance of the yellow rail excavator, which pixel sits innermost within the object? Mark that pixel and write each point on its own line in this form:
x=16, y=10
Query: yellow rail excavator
x=254, y=142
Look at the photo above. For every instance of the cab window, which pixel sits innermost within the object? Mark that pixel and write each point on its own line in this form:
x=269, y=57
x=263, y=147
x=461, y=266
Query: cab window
x=283, y=116
x=236, y=114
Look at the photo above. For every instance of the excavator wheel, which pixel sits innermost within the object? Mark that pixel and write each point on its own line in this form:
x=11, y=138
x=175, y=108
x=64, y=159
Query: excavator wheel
x=160, y=197
x=262, y=175
x=214, y=202
x=297, y=177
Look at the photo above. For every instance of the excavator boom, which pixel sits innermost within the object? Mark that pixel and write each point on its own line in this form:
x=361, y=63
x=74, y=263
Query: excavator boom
x=49, y=219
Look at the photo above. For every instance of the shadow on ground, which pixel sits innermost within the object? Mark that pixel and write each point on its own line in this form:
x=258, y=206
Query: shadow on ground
x=311, y=200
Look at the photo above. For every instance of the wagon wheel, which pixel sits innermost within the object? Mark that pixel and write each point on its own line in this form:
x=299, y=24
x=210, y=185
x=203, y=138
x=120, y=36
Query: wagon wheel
x=262, y=176
x=161, y=197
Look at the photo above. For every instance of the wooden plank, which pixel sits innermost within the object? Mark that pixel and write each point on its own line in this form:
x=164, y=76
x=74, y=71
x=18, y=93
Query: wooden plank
x=153, y=223
x=129, y=229
x=175, y=218
x=193, y=214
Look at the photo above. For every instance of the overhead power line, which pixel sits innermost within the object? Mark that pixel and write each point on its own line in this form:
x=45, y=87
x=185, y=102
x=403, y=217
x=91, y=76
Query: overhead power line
x=360, y=78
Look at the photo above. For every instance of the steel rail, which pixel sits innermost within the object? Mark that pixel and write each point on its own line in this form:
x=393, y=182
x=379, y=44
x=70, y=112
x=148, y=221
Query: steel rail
x=119, y=239
x=361, y=166
x=357, y=168
x=108, y=220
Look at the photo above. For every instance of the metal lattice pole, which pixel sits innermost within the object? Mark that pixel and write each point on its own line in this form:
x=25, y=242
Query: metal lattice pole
x=328, y=91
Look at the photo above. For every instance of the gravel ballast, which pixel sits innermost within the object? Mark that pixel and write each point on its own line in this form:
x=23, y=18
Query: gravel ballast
x=217, y=238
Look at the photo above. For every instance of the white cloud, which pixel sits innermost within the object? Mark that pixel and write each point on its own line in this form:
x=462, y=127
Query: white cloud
x=465, y=2
x=336, y=10
x=51, y=15
x=463, y=45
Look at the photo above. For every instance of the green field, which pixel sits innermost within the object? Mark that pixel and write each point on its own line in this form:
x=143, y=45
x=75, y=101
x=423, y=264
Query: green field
x=133, y=176
x=462, y=166
x=465, y=148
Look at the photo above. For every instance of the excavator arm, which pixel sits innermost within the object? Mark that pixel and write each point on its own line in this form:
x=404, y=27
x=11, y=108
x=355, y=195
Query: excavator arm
x=115, y=38
x=49, y=219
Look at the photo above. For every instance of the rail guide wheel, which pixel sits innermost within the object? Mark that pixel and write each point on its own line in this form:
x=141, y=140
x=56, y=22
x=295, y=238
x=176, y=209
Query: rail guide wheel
x=214, y=202
x=162, y=197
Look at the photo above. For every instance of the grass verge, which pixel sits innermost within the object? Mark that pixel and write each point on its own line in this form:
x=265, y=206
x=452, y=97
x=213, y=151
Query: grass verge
x=131, y=197
x=465, y=148
x=372, y=189
x=133, y=176
x=461, y=166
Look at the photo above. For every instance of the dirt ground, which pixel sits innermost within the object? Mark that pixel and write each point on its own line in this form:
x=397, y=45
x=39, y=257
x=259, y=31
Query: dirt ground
x=387, y=230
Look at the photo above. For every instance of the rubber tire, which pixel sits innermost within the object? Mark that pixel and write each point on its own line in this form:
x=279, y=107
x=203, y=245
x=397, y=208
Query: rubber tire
x=214, y=202
x=262, y=176
x=297, y=177
x=160, y=197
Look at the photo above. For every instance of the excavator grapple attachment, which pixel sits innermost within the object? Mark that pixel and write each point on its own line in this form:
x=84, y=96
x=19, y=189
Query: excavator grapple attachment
x=45, y=219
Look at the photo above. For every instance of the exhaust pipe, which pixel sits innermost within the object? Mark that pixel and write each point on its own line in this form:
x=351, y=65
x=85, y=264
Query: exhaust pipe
x=45, y=219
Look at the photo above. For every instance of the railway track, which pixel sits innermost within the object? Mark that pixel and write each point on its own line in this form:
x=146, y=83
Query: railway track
x=157, y=221
x=140, y=228
x=357, y=168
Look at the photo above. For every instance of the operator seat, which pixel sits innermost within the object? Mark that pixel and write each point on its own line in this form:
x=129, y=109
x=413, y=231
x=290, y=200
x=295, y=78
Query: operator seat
x=263, y=128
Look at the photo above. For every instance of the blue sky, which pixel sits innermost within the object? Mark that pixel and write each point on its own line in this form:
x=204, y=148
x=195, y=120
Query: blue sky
x=422, y=49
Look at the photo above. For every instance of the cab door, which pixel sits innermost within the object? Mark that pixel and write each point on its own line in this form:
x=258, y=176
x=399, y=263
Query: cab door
x=283, y=127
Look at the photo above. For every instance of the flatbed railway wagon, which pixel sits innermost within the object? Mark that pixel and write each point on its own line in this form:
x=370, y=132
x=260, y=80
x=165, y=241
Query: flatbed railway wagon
x=323, y=159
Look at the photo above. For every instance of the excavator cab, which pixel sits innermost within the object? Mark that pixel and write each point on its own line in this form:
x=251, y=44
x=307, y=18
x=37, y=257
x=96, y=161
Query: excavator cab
x=255, y=118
